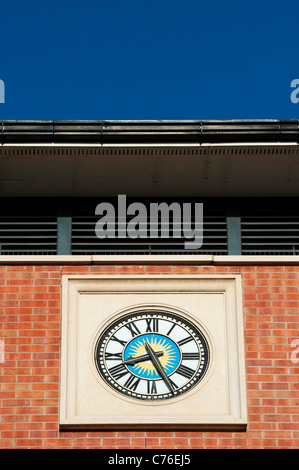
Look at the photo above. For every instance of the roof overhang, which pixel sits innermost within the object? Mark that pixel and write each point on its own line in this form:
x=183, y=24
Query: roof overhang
x=142, y=159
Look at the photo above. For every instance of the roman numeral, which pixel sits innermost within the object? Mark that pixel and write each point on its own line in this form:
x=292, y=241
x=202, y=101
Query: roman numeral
x=185, y=340
x=130, y=384
x=172, y=327
x=151, y=386
x=114, y=338
x=133, y=329
x=112, y=356
x=189, y=356
x=118, y=371
x=185, y=371
x=152, y=324
x=172, y=383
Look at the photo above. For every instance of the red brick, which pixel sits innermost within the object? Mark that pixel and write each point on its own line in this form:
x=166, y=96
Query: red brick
x=158, y=269
x=29, y=393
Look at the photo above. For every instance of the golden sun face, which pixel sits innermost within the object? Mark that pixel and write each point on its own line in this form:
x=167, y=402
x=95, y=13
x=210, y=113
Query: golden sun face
x=147, y=368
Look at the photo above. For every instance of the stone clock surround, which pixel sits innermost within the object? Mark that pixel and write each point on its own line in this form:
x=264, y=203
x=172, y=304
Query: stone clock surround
x=213, y=302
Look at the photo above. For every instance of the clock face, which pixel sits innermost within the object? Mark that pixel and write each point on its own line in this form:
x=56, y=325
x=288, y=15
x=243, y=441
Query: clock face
x=152, y=355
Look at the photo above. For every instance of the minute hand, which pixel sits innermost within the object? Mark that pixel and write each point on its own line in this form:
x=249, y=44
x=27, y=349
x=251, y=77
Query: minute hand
x=158, y=366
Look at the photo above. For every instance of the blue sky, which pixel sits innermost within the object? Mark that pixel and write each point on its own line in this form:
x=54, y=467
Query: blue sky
x=155, y=60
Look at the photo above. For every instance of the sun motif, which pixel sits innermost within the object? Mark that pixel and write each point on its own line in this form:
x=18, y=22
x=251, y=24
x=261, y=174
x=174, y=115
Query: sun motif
x=146, y=368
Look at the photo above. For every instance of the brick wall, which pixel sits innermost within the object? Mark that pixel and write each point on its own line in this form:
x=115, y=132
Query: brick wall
x=29, y=382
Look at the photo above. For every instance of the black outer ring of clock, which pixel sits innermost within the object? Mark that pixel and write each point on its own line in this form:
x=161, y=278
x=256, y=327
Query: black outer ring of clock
x=121, y=389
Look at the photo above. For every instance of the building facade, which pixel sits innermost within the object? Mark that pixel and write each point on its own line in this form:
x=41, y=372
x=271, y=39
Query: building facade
x=65, y=293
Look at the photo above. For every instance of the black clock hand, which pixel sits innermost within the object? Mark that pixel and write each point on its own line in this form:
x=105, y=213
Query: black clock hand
x=158, y=366
x=144, y=357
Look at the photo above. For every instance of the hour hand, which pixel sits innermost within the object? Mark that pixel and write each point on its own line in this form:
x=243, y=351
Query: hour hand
x=144, y=357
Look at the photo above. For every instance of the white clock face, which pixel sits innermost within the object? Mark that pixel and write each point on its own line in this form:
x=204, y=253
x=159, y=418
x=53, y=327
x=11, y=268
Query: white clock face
x=152, y=355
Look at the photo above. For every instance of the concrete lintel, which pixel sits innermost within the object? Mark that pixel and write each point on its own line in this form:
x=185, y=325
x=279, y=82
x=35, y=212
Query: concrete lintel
x=149, y=259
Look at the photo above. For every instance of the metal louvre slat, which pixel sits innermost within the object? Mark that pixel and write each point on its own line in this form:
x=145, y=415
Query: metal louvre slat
x=271, y=230
x=84, y=240
x=28, y=234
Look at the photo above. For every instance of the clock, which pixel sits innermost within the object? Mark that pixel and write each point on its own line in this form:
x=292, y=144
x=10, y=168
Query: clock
x=152, y=355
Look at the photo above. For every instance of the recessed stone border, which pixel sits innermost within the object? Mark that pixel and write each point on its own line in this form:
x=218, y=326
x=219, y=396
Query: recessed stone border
x=213, y=301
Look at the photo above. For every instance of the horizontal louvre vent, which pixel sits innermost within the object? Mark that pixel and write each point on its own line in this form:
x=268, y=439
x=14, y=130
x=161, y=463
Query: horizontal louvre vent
x=28, y=234
x=85, y=241
x=270, y=230
x=31, y=227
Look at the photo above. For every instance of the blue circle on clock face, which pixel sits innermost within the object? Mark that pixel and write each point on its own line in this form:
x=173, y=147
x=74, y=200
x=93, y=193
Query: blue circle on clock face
x=170, y=359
